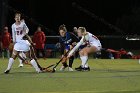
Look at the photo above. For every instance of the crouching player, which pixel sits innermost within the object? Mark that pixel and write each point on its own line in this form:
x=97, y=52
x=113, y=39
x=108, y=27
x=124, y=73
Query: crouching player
x=67, y=41
x=22, y=46
x=94, y=45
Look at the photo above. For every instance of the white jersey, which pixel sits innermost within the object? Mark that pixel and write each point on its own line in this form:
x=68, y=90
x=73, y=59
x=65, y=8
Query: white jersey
x=91, y=39
x=19, y=31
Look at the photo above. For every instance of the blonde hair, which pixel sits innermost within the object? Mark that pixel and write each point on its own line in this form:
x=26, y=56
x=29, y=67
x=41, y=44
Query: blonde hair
x=82, y=29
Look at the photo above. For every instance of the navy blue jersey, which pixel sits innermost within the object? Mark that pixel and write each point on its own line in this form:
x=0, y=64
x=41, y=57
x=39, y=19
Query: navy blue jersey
x=67, y=41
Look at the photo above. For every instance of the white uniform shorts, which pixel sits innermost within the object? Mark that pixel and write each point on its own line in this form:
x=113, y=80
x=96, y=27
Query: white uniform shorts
x=97, y=45
x=22, y=45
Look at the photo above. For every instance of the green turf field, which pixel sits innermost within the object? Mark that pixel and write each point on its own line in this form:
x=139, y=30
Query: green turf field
x=106, y=76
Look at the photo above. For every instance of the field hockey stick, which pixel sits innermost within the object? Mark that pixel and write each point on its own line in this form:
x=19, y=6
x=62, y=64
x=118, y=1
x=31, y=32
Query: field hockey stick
x=54, y=68
x=57, y=63
x=32, y=50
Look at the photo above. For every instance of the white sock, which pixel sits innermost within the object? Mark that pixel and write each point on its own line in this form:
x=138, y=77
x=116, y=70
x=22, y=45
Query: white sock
x=86, y=65
x=34, y=64
x=84, y=60
x=20, y=61
x=11, y=61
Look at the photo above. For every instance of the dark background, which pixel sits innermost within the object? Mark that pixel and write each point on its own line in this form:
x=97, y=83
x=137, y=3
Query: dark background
x=123, y=14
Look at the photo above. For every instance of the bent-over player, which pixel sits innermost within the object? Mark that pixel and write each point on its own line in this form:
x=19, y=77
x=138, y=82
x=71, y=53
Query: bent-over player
x=93, y=45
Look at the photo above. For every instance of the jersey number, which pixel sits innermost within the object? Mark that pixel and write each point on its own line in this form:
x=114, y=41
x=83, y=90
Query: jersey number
x=19, y=32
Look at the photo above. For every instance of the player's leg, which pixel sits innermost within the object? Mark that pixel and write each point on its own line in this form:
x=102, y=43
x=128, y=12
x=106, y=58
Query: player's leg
x=20, y=62
x=64, y=64
x=64, y=49
x=13, y=57
x=84, y=57
x=71, y=59
x=33, y=62
x=22, y=59
x=33, y=55
x=11, y=61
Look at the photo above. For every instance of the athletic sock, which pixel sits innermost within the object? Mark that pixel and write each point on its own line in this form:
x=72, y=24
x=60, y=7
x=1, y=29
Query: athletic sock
x=34, y=64
x=84, y=60
x=20, y=61
x=71, y=61
x=86, y=65
x=11, y=61
x=65, y=64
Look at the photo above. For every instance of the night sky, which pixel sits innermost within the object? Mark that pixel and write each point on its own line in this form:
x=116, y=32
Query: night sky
x=124, y=14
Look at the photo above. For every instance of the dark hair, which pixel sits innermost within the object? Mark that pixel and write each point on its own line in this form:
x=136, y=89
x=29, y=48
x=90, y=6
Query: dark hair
x=63, y=27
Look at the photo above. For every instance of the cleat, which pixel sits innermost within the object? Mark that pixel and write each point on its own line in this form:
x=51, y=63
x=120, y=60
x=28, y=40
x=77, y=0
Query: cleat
x=62, y=68
x=70, y=69
x=80, y=68
x=39, y=71
x=87, y=69
x=54, y=69
x=6, y=71
x=20, y=65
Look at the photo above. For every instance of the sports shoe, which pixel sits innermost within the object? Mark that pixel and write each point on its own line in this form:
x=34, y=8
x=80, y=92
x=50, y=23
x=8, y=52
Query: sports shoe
x=87, y=69
x=38, y=71
x=20, y=65
x=6, y=71
x=62, y=68
x=70, y=69
x=80, y=68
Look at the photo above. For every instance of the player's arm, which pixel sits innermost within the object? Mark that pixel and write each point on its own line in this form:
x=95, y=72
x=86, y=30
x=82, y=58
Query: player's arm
x=27, y=37
x=13, y=34
x=25, y=28
x=61, y=46
x=76, y=47
x=75, y=39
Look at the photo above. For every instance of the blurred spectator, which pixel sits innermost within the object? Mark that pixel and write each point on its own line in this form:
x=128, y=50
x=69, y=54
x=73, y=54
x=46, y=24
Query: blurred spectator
x=39, y=39
x=105, y=54
x=6, y=40
x=114, y=54
x=75, y=30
